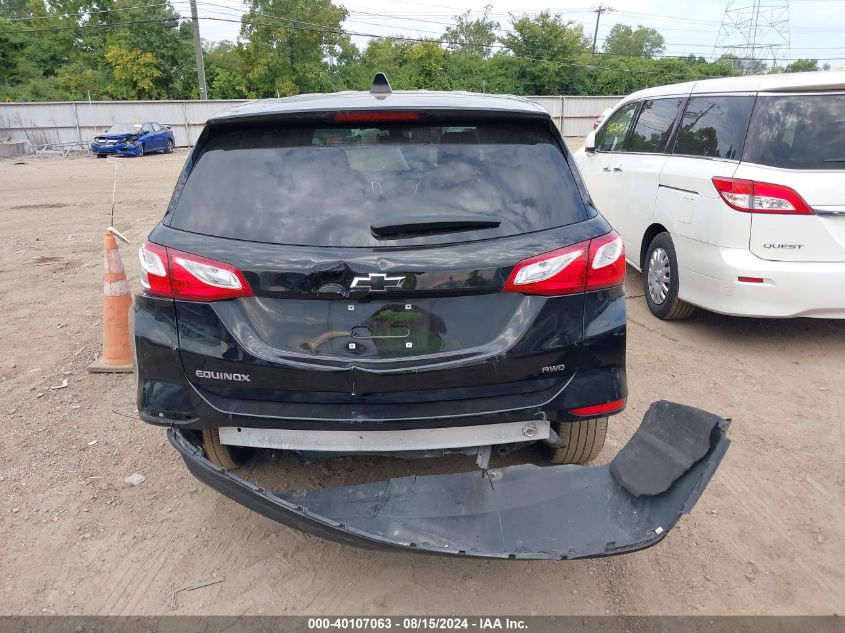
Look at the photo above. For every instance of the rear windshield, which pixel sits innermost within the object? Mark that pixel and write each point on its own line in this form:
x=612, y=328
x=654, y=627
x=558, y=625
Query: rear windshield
x=326, y=186
x=798, y=132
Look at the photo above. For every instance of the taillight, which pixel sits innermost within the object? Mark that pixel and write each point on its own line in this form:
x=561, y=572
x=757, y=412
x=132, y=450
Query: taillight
x=589, y=265
x=750, y=196
x=166, y=272
x=154, y=275
x=607, y=262
x=559, y=272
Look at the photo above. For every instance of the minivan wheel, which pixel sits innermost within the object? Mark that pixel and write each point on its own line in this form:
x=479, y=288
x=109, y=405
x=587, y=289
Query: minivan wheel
x=660, y=280
x=583, y=441
x=230, y=457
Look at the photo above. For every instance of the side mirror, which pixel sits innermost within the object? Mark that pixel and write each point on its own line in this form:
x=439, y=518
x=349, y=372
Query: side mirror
x=590, y=142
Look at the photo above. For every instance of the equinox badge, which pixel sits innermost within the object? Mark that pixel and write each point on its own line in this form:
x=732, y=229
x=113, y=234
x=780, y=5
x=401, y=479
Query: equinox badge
x=377, y=282
x=222, y=375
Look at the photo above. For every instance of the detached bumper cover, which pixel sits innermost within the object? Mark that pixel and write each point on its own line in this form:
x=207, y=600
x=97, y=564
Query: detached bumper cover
x=525, y=511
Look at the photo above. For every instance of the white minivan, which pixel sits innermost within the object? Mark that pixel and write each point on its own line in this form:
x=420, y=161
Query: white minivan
x=729, y=193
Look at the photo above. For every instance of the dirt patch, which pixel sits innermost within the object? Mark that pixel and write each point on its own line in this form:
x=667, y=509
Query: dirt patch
x=766, y=536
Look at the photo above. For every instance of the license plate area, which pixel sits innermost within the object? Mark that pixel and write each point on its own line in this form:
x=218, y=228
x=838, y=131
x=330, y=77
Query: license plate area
x=385, y=329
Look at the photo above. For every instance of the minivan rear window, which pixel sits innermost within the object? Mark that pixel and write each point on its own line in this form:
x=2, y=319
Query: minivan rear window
x=798, y=132
x=328, y=185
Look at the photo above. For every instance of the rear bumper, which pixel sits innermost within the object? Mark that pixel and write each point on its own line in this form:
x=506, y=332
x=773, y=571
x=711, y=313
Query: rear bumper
x=525, y=511
x=789, y=289
x=186, y=406
x=166, y=398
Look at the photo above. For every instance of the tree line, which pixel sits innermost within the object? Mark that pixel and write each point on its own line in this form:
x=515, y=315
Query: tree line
x=141, y=49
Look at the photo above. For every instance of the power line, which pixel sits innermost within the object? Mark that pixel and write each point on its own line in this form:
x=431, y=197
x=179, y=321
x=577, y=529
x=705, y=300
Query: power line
x=328, y=29
x=315, y=27
x=234, y=11
x=94, y=12
x=105, y=25
x=519, y=57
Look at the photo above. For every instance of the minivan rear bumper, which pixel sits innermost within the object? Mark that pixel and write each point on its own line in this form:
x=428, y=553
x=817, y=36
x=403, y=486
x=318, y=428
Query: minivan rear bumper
x=788, y=289
x=524, y=511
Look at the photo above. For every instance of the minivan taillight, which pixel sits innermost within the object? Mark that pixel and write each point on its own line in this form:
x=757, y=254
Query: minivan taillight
x=750, y=196
x=589, y=265
x=166, y=272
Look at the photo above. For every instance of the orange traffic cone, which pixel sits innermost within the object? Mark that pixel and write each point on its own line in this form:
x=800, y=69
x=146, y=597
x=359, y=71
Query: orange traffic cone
x=117, y=353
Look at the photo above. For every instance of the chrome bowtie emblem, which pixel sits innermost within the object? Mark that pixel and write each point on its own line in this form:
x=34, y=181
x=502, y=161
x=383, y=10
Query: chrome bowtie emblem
x=377, y=282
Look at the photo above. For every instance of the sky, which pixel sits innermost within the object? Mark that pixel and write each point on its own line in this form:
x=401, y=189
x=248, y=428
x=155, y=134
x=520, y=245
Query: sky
x=816, y=27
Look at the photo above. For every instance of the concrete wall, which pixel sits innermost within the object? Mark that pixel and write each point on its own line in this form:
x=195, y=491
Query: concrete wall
x=79, y=121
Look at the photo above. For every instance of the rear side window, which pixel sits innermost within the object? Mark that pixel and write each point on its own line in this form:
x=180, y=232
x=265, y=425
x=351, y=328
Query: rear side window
x=611, y=136
x=654, y=125
x=327, y=185
x=714, y=127
x=798, y=132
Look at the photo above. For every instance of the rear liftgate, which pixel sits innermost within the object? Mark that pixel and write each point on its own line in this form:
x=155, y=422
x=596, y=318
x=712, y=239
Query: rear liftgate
x=524, y=511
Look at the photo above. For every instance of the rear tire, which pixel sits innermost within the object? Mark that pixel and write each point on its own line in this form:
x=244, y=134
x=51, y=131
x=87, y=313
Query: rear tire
x=169, y=148
x=229, y=457
x=660, y=280
x=583, y=439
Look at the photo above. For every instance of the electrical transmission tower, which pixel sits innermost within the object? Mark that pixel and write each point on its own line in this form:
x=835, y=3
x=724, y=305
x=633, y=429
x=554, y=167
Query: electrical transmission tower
x=755, y=34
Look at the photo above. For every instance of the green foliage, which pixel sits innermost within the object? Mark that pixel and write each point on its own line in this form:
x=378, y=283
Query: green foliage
x=225, y=71
x=64, y=55
x=545, y=36
x=551, y=54
x=121, y=49
x=803, y=66
x=474, y=36
x=639, y=42
x=286, y=43
x=135, y=72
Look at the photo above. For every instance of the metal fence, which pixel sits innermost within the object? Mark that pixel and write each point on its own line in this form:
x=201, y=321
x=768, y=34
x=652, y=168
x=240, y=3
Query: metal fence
x=75, y=123
x=574, y=116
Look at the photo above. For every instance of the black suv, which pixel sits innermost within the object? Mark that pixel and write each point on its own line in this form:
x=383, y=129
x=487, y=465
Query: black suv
x=406, y=273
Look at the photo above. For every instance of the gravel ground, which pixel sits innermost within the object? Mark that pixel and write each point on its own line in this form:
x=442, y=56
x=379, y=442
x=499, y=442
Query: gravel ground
x=766, y=538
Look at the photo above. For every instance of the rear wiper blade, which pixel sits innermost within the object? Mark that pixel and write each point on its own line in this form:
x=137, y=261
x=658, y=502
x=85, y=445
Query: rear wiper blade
x=834, y=160
x=426, y=224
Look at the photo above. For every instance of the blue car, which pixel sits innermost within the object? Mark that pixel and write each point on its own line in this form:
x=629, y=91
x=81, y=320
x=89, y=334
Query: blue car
x=134, y=139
